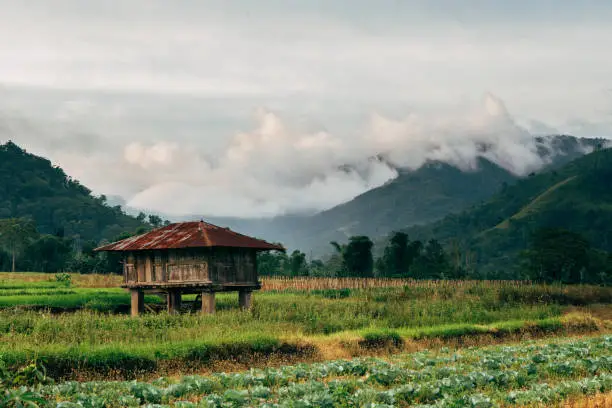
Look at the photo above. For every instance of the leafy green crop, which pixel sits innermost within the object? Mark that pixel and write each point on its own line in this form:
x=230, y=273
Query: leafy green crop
x=518, y=375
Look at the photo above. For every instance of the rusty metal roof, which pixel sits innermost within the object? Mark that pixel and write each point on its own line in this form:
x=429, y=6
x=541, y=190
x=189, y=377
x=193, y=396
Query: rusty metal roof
x=189, y=235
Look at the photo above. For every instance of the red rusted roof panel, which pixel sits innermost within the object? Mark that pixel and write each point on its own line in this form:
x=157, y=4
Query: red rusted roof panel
x=189, y=235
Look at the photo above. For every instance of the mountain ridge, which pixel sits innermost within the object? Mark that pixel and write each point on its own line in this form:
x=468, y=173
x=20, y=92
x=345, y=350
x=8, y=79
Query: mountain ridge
x=575, y=197
x=398, y=203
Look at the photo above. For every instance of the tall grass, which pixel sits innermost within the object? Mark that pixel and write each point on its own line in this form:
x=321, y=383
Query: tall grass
x=510, y=289
x=80, y=280
x=282, y=316
x=308, y=283
x=109, y=300
x=286, y=315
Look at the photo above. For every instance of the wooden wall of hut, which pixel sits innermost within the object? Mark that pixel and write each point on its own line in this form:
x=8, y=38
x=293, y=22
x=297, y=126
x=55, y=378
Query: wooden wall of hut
x=216, y=265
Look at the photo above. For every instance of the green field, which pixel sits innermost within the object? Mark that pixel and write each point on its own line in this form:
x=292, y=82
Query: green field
x=81, y=333
x=520, y=375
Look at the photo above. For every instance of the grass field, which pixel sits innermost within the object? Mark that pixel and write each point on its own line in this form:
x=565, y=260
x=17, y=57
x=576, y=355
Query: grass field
x=80, y=330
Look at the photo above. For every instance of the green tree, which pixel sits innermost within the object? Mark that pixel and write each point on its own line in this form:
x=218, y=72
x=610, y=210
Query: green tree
x=48, y=253
x=335, y=263
x=399, y=255
x=558, y=255
x=15, y=235
x=271, y=263
x=317, y=268
x=395, y=258
x=297, y=264
x=357, y=256
x=600, y=268
x=155, y=220
x=433, y=262
x=31, y=187
x=415, y=248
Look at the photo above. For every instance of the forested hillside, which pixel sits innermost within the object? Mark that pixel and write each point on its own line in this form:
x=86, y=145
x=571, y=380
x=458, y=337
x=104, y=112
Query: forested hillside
x=31, y=187
x=575, y=198
x=49, y=222
x=415, y=197
x=432, y=192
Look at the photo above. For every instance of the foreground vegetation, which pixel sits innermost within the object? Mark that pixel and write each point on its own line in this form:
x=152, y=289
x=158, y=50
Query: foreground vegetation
x=305, y=319
x=527, y=374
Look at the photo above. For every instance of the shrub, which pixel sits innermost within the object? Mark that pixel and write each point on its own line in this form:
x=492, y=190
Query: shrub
x=381, y=339
x=63, y=278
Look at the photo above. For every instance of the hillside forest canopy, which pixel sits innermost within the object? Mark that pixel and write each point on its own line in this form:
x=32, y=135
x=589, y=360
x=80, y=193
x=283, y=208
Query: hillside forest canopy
x=51, y=223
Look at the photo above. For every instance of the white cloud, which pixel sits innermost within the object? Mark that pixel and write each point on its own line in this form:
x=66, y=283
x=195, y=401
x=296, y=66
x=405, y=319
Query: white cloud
x=270, y=170
x=458, y=138
x=146, y=98
x=274, y=169
x=159, y=155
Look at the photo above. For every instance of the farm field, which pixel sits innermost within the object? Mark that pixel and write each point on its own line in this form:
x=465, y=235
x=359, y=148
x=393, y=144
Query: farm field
x=78, y=329
x=527, y=374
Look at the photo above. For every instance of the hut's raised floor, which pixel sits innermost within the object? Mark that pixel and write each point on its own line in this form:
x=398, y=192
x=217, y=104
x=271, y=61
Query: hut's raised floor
x=174, y=291
x=192, y=287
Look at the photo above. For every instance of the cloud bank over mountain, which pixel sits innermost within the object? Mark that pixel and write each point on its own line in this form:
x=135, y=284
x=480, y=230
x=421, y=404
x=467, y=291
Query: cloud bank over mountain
x=275, y=169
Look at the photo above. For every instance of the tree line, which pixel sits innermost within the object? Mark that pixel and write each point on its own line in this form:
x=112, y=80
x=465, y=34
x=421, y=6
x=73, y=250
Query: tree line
x=24, y=248
x=401, y=258
x=553, y=255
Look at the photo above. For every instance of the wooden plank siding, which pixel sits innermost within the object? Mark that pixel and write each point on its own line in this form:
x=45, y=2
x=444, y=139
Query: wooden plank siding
x=148, y=268
x=216, y=265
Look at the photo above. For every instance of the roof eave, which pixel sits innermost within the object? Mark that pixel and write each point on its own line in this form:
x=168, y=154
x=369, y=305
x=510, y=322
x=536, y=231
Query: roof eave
x=109, y=248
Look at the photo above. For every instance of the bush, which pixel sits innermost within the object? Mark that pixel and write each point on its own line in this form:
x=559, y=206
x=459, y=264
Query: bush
x=333, y=293
x=381, y=339
x=31, y=374
x=63, y=278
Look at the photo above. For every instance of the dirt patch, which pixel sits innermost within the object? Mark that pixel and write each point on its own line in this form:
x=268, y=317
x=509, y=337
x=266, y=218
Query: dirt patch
x=591, y=401
x=599, y=311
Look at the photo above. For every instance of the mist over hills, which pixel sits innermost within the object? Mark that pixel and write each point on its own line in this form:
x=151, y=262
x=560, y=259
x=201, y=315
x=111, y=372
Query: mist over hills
x=491, y=235
x=279, y=166
x=419, y=196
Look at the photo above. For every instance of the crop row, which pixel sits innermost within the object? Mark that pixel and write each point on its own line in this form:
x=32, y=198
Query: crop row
x=519, y=291
x=476, y=377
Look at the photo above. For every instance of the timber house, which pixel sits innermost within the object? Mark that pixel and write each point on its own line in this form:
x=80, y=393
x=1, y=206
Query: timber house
x=190, y=257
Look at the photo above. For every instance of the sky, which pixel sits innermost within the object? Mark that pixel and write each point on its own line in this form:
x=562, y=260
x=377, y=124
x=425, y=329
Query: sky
x=259, y=108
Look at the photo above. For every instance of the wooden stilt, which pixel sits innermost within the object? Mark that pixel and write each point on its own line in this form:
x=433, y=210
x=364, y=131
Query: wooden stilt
x=244, y=299
x=208, y=302
x=137, y=297
x=178, y=301
x=174, y=301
